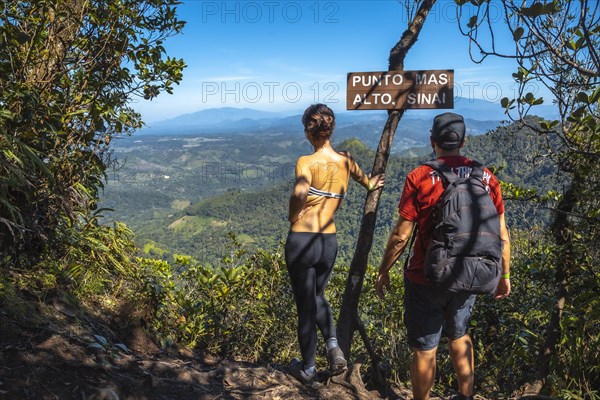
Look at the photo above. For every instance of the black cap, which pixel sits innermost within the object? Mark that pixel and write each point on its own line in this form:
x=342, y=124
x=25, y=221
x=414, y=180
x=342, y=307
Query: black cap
x=448, y=130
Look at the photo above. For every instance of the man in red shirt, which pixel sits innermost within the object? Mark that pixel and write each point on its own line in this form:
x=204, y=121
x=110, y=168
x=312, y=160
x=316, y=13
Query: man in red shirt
x=431, y=312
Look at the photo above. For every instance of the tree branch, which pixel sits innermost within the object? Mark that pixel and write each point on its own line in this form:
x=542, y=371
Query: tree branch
x=347, y=323
x=409, y=37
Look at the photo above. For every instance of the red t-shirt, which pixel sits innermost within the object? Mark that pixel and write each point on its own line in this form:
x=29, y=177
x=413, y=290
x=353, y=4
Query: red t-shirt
x=422, y=189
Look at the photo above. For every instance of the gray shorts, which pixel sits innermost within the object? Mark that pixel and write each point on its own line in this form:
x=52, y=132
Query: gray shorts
x=430, y=313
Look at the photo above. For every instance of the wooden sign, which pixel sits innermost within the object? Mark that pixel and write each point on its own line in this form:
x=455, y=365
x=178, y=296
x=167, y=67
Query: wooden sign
x=396, y=90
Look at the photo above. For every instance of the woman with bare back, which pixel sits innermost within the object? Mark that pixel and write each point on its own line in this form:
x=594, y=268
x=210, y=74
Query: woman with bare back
x=321, y=184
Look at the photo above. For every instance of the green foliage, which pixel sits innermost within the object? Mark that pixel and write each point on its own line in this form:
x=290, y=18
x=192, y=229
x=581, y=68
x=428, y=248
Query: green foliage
x=96, y=263
x=507, y=334
x=257, y=212
x=556, y=45
x=69, y=71
x=577, y=362
x=383, y=320
x=153, y=250
x=243, y=310
x=96, y=257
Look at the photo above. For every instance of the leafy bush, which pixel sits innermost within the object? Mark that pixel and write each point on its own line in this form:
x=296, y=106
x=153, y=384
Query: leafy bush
x=97, y=257
x=70, y=71
x=244, y=311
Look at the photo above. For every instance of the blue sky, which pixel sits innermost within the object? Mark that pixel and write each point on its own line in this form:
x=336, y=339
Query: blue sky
x=284, y=55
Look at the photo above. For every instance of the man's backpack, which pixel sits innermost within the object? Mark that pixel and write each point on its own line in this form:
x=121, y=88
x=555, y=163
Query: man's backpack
x=465, y=251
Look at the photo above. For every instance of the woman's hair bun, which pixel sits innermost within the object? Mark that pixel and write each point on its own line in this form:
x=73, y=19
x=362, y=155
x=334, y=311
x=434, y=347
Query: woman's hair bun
x=318, y=121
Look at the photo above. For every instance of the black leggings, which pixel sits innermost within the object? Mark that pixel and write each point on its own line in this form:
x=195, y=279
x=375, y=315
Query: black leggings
x=310, y=257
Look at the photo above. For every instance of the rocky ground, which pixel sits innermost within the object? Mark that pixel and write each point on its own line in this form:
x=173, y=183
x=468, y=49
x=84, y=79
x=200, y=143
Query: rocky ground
x=52, y=350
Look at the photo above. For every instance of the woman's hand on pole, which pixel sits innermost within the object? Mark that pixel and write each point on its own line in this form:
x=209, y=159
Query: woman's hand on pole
x=376, y=181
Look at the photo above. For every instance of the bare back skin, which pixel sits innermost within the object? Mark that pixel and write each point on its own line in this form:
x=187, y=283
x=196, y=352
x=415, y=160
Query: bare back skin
x=329, y=171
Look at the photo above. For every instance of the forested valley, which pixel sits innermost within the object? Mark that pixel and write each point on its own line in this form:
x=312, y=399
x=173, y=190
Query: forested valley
x=247, y=198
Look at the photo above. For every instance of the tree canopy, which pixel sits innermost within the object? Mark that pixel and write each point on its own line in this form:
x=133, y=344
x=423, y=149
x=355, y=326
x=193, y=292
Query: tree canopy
x=556, y=44
x=71, y=70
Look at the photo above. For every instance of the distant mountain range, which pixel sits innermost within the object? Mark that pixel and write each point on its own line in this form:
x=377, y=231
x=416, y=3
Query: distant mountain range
x=413, y=130
x=183, y=195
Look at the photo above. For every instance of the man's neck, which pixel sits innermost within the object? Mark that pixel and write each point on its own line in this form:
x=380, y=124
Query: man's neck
x=444, y=153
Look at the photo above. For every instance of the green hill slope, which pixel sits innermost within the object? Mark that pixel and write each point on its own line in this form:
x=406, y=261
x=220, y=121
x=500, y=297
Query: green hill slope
x=258, y=217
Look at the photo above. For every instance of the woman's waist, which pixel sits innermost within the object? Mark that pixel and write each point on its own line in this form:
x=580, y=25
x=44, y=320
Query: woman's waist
x=314, y=225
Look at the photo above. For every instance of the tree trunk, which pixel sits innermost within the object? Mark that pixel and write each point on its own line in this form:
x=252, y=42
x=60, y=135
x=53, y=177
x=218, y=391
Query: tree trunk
x=64, y=23
x=562, y=231
x=348, y=321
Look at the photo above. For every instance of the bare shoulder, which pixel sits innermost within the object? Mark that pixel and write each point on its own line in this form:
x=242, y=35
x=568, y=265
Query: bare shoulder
x=303, y=165
x=302, y=160
x=345, y=156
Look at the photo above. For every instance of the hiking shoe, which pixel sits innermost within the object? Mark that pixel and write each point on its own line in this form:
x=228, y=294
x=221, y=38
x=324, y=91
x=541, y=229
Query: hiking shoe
x=337, y=362
x=297, y=371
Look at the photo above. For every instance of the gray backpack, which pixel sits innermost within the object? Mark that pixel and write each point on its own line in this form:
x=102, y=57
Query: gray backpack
x=465, y=251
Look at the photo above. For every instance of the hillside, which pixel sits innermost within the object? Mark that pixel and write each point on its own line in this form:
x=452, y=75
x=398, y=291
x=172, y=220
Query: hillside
x=145, y=262
x=186, y=160
x=256, y=213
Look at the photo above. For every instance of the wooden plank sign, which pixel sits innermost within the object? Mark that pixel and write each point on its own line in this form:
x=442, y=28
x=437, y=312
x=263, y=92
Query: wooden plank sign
x=396, y=90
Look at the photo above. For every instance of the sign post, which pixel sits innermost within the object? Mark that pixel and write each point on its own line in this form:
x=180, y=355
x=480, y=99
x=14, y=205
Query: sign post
x=397, y=90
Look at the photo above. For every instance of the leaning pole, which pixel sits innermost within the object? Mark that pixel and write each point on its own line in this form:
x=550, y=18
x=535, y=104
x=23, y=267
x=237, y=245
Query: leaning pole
x=349, y=321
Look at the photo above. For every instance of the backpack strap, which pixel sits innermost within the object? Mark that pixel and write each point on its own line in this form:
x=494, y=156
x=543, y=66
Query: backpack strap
x=444, y=172
x=477, y=171
x=407, y=251
x=449, y=176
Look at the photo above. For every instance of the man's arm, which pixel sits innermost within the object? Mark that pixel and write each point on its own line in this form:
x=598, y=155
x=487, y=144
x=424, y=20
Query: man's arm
x=397, y=242
x=503, y=289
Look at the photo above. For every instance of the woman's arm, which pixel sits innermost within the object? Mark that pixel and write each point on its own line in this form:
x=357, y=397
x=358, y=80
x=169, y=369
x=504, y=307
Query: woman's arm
x=300, y=192
x=368, y=182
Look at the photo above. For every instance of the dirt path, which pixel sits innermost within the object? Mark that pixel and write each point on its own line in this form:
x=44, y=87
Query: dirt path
x=53, y=351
